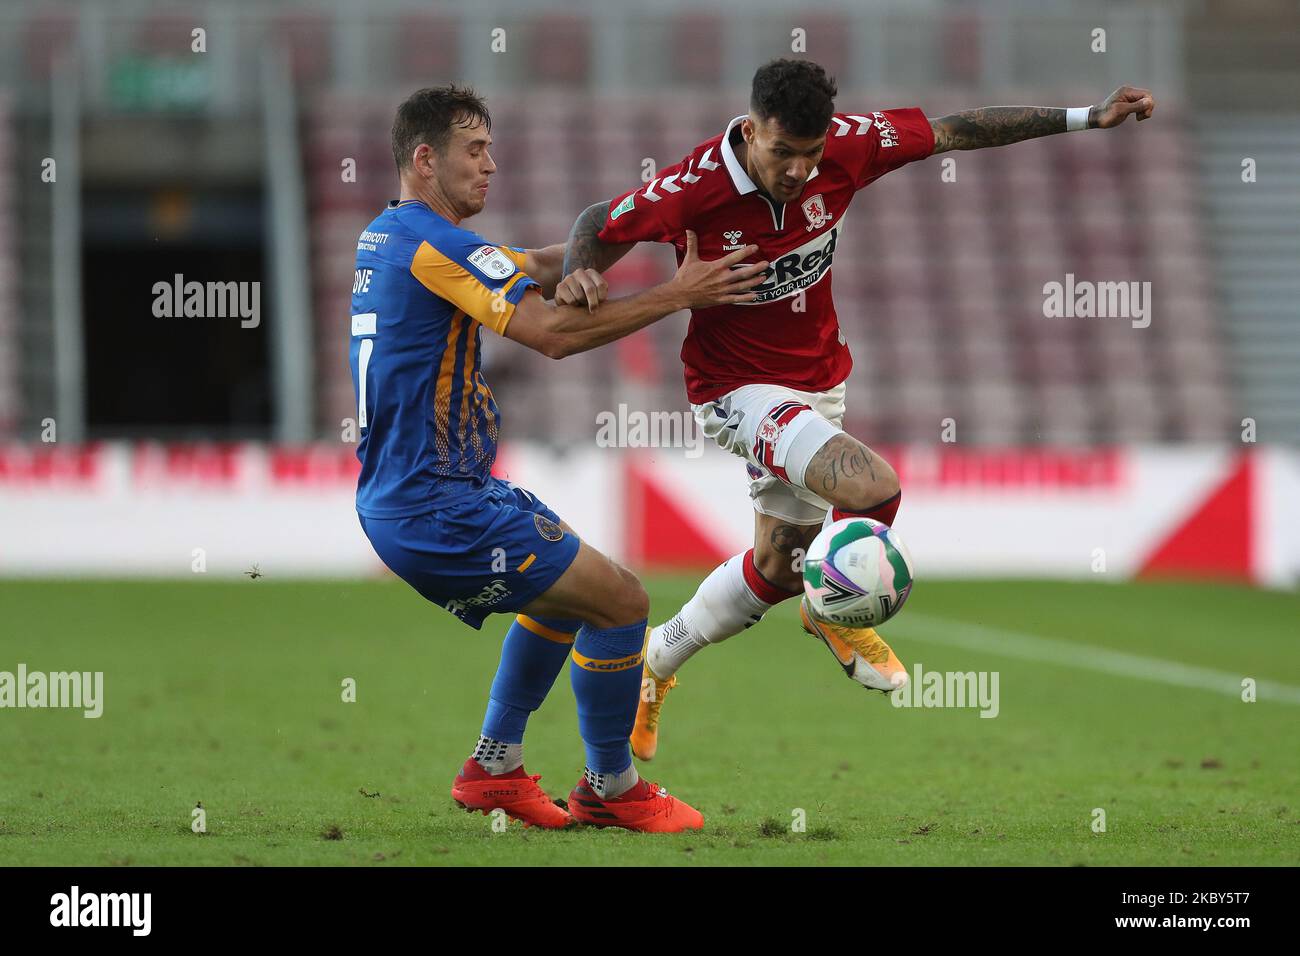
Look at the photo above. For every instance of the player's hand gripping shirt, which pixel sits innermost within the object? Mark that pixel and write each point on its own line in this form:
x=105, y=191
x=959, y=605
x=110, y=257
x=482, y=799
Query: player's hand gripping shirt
x=709, y=192
x=422, y=291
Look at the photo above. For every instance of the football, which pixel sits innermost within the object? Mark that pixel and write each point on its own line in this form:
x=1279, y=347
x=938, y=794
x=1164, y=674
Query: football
x=857, y=573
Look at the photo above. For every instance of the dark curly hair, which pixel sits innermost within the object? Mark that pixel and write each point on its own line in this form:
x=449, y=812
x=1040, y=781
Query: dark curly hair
x=796, y=93
x=428, y=115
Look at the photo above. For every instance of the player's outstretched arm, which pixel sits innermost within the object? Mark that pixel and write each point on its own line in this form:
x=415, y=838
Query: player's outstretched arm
x=560, y=330
x=1001, y=125
x=546, y=266
x=586, y=257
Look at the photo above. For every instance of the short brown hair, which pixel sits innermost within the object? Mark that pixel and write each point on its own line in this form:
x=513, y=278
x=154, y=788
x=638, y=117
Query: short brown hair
x=796, y=93
x=428, y=115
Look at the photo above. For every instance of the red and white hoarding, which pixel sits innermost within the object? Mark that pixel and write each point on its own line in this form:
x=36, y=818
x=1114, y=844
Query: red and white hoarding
x=148, y=509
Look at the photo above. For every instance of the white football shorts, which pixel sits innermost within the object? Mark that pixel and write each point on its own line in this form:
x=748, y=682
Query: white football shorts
x=777, y=430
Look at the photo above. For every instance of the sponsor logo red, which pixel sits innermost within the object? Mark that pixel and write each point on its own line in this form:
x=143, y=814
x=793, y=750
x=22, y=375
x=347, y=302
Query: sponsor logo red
x=1082, y=469
x=316, y=466
x=324, y=466
x=211, y=465
x=49, y=465
x=227, y=465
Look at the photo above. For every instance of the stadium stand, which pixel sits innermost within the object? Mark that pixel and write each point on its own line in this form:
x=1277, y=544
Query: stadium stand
x=1253, y=227
x=939, y=285
x=9, y=274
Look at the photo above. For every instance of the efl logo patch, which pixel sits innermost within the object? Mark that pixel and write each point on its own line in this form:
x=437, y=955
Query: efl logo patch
x=492, y=262
x=547, y=528
x=625, y=206
x=815, y=209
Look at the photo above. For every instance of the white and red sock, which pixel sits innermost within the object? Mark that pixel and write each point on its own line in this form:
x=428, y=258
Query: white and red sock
x=733, y=597
x=497, y=756
x=884, y=512
x=607, y=786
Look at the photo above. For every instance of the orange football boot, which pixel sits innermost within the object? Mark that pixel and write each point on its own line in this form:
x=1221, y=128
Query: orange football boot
x=645, y=732
x=516, y=792
x=647, y=808
x=862, y=652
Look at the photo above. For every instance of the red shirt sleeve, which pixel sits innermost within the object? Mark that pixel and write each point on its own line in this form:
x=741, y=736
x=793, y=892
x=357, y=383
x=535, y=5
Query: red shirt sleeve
x=882, y=141
x=655, y=212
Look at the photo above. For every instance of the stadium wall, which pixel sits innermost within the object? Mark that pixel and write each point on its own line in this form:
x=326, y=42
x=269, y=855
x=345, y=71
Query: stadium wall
x=175, y=510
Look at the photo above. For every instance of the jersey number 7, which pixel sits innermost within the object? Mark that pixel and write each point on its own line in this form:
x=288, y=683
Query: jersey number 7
x=363, y=324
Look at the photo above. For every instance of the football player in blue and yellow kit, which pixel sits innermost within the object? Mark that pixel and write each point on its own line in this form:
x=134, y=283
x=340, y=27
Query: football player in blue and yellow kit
x=423, y=291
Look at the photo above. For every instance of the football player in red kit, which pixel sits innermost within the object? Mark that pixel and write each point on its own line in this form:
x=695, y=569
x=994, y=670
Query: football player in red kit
x=766, y=380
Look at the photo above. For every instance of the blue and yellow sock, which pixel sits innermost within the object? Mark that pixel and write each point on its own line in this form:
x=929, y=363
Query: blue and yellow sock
x=532, y=655
x=606, y=675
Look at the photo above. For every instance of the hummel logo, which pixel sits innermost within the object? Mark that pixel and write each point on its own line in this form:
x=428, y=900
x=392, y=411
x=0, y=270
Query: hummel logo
x=733, y=240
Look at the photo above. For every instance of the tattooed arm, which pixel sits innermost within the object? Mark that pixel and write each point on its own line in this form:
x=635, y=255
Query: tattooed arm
x=996, y=126
x=1000, y=125
x=584, y=250
x=586, y=257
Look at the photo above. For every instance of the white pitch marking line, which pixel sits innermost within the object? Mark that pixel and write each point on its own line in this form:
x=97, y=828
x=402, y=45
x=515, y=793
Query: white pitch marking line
x=1088, y=657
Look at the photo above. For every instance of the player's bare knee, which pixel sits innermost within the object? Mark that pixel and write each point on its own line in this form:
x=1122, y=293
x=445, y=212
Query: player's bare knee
x=629, y=603
x=862, y=478
x=850, y=475
x=889, y=483
x=867, y=494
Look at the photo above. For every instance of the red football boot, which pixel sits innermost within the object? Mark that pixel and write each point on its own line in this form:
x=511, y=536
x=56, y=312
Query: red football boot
x=647, y=807
x=516, y=792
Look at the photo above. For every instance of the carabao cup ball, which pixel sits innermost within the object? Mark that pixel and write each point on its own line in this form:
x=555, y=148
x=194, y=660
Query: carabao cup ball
x=857, y=573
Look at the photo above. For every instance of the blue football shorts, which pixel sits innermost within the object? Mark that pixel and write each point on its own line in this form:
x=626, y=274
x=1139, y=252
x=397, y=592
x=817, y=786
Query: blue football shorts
x=492, y=553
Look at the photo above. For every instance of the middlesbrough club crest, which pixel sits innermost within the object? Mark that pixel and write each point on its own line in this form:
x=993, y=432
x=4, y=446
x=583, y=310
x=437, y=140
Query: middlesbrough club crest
x=815, y=210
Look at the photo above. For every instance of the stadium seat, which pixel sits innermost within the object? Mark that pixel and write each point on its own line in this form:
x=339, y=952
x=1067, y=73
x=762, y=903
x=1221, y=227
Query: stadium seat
x=947, y=312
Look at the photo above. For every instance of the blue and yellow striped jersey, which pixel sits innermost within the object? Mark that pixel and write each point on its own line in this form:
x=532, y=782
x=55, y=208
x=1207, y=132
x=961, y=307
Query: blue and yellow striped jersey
x=422, y=291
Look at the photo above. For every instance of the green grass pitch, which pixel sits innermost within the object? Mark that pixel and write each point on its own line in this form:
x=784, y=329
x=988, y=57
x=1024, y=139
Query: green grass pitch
x=228, y=693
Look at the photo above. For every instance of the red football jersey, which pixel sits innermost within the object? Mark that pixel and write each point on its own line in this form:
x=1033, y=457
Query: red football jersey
x=767, y=342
